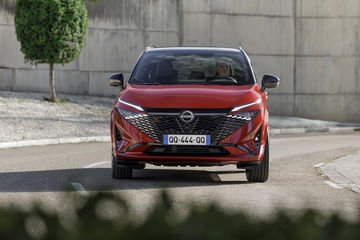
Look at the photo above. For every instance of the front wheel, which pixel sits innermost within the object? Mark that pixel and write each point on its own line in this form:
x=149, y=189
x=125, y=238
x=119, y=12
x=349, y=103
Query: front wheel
x=121, y=172
x=260, y=173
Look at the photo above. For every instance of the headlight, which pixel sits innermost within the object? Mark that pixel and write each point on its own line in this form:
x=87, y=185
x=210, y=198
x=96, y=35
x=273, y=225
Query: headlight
x=235, y=109
x=130, y=105
x=128, y=115
x=247, y=116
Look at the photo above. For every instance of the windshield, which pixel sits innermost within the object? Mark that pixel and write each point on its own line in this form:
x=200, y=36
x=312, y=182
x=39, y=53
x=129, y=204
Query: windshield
x=189, y=68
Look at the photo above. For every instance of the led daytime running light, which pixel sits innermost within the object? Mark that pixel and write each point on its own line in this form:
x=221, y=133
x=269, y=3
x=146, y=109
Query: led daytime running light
x=131, y=105
x=235, y=109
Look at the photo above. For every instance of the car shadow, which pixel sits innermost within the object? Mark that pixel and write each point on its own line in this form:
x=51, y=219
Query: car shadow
x=94, y=179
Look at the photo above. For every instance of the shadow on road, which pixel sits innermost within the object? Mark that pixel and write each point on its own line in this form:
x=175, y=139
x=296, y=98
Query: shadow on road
x=100, y=179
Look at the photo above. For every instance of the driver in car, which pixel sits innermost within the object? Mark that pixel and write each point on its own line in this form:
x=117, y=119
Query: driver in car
x=223, y=75
x=222, y=69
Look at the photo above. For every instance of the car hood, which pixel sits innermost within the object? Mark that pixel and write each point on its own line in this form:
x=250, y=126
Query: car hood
x=189, y=96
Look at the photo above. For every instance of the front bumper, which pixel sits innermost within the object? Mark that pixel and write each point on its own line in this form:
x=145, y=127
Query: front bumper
x=238, y=147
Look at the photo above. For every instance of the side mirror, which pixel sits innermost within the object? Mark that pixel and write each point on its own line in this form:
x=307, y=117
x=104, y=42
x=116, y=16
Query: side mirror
x=269, y=81
x=116, y=80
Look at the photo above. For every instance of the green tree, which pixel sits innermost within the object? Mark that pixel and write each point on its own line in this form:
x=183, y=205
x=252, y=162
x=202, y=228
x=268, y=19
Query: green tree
x=51, y=32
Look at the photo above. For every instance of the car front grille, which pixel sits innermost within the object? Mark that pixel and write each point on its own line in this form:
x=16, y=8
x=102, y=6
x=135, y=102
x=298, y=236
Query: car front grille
x=217, y=126
x=201, y=125
x=231, y=123
x=143, y=123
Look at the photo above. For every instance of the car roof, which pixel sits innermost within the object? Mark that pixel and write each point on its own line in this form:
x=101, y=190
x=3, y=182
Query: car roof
x=190, y=49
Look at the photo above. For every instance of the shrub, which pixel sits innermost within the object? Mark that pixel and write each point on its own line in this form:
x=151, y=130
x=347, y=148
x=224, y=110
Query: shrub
x=106, y=216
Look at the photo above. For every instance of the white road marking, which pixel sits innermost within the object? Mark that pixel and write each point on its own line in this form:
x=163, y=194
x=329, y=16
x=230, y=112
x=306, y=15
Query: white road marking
x=333, y=185
x=96, y=164
x=80, y=189
x=319, y=165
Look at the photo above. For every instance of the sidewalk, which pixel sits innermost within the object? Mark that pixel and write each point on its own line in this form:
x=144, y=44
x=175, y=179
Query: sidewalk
x=344, y=172
x=26, y=117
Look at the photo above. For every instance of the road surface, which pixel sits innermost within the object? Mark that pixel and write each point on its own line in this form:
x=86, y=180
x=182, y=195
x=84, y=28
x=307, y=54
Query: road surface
x=47, y=174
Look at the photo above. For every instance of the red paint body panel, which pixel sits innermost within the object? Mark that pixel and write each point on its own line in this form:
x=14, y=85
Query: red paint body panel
x=190, y=96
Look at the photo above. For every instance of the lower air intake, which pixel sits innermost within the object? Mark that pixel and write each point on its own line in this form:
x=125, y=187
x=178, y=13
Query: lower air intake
x=187, y=150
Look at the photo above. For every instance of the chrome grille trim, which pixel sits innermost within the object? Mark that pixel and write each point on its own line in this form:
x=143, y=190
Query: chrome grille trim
x=201, y=125
x=231, y=124
x=142, y=122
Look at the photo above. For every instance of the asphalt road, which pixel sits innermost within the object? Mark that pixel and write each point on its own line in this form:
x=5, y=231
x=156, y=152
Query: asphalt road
x=47, y=175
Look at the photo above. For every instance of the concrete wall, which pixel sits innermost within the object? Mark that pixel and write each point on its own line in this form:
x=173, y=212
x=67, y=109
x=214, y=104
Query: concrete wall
x=327, y=59
x=313, y=45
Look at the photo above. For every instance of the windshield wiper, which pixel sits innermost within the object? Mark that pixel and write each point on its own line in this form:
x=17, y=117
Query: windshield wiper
x=150, y=83
x=222, y=81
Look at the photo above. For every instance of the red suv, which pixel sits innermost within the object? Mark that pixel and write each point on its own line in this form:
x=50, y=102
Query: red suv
x=191, y=107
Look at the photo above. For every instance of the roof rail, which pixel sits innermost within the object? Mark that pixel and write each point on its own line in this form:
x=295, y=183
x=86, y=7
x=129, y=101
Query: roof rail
x=149, y=47
x=246, y=55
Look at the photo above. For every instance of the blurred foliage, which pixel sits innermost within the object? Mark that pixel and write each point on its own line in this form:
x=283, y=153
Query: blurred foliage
x=107, y=216
x=51, y=31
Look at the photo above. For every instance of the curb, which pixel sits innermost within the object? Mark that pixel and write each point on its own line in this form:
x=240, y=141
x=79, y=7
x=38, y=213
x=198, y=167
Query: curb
x=278, y=131
x=44, y=142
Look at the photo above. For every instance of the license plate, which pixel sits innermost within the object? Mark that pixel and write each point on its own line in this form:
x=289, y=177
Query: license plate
x=174, y=139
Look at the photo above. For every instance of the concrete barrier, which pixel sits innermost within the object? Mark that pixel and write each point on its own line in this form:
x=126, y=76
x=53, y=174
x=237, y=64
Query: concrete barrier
x=313, y=45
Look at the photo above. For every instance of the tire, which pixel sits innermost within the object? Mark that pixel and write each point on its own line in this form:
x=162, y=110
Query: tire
x=260, y=173
x=121, y=172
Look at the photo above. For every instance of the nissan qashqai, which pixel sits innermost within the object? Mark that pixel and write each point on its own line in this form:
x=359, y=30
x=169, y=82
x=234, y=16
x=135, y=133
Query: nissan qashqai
x=191, y=107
